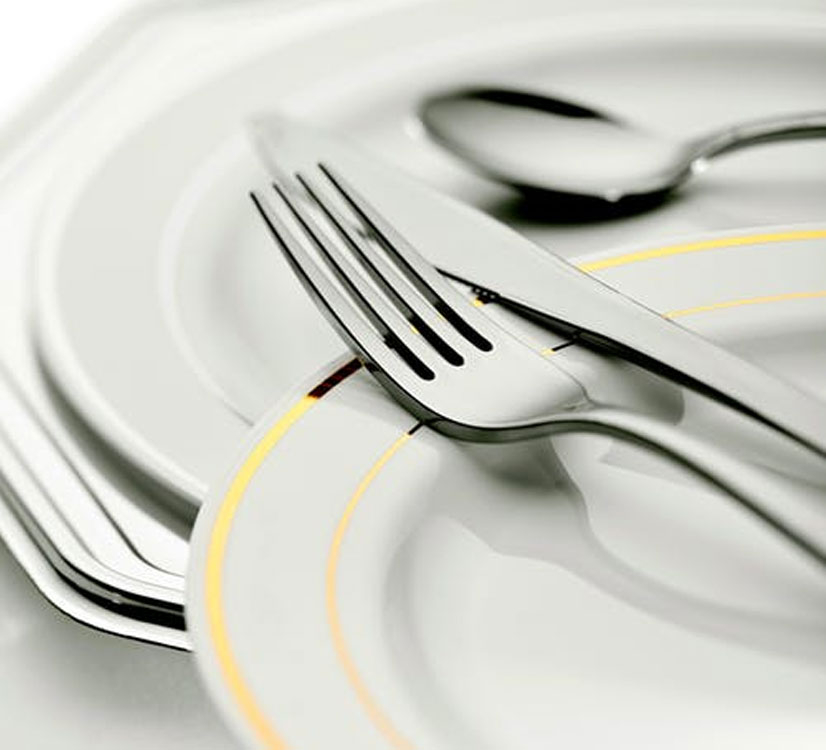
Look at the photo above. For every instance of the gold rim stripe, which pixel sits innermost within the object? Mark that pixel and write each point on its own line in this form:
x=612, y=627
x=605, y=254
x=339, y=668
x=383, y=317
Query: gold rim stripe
x=217, y=549
x=214, y=580
x=694, y=247
x=377, y=716
x=744, y=302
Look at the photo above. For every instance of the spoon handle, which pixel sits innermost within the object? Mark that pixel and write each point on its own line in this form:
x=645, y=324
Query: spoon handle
x=766, y=130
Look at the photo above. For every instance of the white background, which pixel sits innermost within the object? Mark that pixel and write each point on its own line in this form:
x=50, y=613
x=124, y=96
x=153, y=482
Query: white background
x=37, y=37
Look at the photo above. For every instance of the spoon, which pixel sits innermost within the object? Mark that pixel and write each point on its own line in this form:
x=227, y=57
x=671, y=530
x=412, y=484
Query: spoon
x=538, y=143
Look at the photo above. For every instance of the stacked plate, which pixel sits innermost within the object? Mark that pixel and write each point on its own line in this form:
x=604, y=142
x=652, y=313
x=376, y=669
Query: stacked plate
x=348, y=581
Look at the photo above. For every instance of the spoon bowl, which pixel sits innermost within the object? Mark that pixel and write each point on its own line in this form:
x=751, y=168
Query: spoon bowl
x=542, y=144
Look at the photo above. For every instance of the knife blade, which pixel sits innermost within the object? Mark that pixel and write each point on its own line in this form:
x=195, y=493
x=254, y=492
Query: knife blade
x=469, y=246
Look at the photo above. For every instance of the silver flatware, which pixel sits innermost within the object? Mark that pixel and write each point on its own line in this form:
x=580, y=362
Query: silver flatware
x=449, y=364
x=536, y=142
x=466, y=245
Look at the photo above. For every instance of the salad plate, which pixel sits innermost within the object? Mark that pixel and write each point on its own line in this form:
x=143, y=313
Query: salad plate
x=359, y=576
x=169, y=323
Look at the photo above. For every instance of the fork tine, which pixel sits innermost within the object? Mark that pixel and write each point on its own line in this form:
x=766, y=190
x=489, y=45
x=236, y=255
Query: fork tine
x=422, y=315
x=307, y=270
x=383, y=315
x=472, y=324
x=341, y=308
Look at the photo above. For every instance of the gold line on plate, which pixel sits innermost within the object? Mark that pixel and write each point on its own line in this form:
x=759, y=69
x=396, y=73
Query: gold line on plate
x=693, y=247
x=375, y=713
x=743, y=302
x=216, y=552
x=214, y=582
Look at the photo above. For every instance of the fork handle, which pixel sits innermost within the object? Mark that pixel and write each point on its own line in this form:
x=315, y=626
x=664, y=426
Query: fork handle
x=774, y=502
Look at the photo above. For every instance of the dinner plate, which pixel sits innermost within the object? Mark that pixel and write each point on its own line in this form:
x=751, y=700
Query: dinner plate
x=359, y=579
x=66, y=685
x=167, y=319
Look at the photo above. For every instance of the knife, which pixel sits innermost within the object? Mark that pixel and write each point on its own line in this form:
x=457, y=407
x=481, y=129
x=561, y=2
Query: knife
x=469, y=246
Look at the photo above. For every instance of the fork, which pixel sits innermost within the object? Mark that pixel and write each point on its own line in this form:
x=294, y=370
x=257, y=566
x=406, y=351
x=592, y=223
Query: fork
x=454, y=368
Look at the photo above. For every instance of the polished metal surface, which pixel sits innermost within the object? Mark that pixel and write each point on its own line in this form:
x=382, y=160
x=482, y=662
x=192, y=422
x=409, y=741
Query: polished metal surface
x=537, y=142
x=452, y=366
x=469, y=246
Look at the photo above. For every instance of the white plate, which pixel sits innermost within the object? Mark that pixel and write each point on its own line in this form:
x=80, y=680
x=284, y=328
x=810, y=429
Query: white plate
x=65, y=685
x=359, y=582
x=163, y=311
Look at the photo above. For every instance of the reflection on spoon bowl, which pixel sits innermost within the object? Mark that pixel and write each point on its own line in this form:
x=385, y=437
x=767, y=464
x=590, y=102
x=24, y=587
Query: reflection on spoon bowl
x=541, y=144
